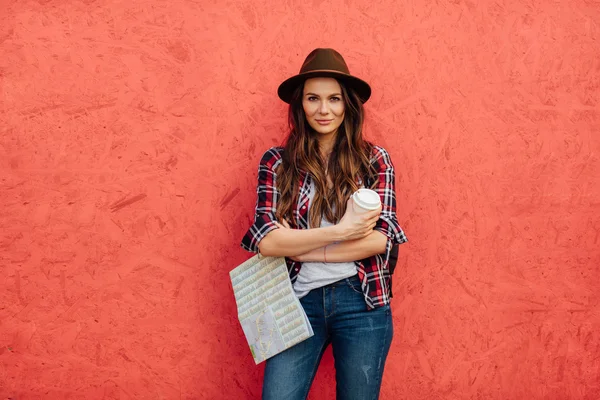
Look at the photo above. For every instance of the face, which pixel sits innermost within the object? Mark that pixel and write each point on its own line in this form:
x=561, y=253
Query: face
x=323, y=105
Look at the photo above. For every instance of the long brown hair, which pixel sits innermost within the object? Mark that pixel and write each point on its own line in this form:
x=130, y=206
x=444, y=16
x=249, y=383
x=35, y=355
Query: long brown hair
x=348, y=162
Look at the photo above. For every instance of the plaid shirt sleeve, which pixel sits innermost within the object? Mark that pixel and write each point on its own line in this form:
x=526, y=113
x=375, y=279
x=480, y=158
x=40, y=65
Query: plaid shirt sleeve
x=266, y=202
x=386, y=188
x=374, y=271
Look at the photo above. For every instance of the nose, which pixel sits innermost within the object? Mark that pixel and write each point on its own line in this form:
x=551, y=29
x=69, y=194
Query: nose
x=324, y=108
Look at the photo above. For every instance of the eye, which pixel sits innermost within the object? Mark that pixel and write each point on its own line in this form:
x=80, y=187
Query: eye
x=312, y=98
x=335, y=98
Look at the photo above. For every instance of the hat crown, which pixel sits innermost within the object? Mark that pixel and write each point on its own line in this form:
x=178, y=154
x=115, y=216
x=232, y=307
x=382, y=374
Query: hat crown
x=324, y=59
x=326, y=63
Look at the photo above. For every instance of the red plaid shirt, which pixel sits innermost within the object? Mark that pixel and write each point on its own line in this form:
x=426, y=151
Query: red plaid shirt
x=373, y=272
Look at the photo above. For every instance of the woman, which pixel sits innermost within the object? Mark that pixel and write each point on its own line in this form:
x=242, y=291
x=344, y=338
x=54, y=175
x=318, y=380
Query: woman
x=338, y=259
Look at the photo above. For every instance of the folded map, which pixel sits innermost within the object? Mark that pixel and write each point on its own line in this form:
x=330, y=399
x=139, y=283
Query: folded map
x=271, y=315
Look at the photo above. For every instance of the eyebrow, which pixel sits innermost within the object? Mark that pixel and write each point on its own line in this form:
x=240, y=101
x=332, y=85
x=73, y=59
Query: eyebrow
x=314, y=94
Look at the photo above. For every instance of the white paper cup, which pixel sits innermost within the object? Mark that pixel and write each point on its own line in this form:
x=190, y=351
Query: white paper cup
x=365, y=200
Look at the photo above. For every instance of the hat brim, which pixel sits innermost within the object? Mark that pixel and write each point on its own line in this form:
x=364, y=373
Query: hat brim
x=286, y=89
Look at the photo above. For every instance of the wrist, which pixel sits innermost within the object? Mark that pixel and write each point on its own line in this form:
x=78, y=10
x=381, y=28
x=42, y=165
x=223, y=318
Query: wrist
x=337, y=233
x=310, y=256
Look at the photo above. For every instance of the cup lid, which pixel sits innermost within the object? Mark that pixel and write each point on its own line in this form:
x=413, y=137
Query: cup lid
x=367, y=199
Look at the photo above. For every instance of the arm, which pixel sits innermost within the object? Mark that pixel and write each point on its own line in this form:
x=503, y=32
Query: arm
x=388, y=231
x=294, y=242
x=349, y=251
x=388, y=222
x=265, y=237
x=266, y=201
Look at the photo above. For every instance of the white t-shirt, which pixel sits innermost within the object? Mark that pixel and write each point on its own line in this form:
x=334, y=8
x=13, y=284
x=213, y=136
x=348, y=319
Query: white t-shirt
x=314, y=275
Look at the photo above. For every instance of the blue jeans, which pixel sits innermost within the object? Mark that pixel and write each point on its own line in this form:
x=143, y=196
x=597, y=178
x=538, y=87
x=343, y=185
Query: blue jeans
x=360, y=340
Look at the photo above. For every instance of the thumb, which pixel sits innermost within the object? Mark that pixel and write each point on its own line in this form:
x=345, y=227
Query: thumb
x=349, y=203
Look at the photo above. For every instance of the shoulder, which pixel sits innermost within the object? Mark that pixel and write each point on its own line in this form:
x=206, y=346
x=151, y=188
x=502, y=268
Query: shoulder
x=272, y=157
x=380, y=155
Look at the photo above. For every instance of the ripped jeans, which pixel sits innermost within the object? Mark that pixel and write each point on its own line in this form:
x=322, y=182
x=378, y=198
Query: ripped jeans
x=360, y=340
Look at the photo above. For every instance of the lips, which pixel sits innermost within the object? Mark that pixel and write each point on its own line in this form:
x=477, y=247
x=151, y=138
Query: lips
x=324, y=121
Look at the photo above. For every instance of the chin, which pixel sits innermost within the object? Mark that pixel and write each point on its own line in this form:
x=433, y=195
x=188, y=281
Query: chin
x=325, y=130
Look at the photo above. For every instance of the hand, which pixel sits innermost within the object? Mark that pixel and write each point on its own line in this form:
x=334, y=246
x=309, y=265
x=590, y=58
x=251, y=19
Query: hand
x=299, y=257
x=357, y=226
x=283, y=225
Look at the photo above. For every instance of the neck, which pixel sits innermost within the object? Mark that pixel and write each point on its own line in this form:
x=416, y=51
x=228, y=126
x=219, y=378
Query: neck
x=326, y=143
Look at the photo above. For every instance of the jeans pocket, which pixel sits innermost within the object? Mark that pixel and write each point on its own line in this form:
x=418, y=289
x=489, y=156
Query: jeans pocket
x=387, y=309
x=354, y=284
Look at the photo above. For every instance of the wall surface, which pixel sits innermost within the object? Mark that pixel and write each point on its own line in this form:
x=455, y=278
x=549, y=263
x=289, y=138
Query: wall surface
x=130, y=136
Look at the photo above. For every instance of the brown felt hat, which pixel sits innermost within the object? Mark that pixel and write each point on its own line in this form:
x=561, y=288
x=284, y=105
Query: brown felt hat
x=327, y=63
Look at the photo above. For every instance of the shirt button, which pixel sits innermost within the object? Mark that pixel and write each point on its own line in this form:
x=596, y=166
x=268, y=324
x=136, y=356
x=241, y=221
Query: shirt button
x=296, y=269
x=303, y=207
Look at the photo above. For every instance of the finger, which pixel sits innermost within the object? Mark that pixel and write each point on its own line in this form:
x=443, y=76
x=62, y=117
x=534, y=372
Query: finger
x=368, y=230
x=286, y=223
x=349, y=204
x=373, y=217
x=371, y=221
x=368, y=218
x=374, y=213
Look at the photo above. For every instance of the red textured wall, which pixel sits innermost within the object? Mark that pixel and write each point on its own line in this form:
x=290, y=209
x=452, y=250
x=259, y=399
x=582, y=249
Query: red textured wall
x=130, y=137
